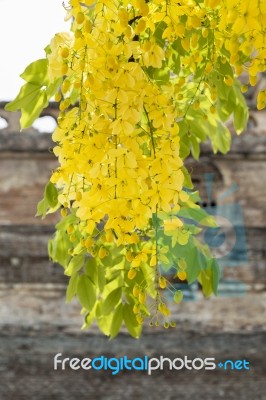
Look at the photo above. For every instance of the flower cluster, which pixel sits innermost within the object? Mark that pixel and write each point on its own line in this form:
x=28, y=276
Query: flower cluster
x=140, y=84
x=132, y=70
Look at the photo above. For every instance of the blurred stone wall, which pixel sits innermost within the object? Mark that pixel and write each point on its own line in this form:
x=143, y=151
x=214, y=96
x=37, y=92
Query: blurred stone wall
x=226, y=182
x=36, y=323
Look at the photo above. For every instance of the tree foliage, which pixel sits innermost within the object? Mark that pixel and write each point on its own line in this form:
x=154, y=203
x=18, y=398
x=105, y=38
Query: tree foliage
x=140, y=84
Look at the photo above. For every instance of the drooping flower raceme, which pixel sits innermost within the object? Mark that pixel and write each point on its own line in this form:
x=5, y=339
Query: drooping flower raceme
x=140, y=84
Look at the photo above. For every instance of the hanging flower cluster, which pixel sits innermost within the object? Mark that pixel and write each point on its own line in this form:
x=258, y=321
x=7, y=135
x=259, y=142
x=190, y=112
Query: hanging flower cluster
x=140, y=84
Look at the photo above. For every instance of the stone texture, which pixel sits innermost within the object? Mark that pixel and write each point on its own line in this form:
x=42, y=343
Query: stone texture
x=23, y=177
x=35, y=322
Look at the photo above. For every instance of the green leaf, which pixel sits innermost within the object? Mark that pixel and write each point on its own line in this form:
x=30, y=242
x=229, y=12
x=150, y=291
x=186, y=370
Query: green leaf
x=215, y=276
x=241, y=114
x=112, y=285
x=187, y=178
x=195, y=147
x=198, y=215
x=105, y=323
x=51, y=194
x=32, y=110
x=34, y=95
x=225, y=68
x=27, y=95
x=72, y=287
x=178, y=47
x=59, y=248
x=101, y=281
x=130, y=321
x=216, y=78
x=174, y=62
x=62, y=225
x=184, y=148
x=195, y=261
x=42, y=208
x=91, y=270
x=36, y=72
x=222, y=139
x=89, y=318
x=160, y=75
x=95, y=272
x=117, y=321
x=75, y=264
x=219, y=135
x=159, y=29
x=205, y=278
x=86, y=292
x=53, y=87
x=197, y=125
x=31, y=100
x=50, y=248
x=111, y=301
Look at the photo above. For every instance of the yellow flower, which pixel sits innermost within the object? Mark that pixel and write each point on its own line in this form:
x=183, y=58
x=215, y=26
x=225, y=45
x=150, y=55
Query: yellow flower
x=172, y=224
x=248, y=17
x=153, y=57
x=55, y=59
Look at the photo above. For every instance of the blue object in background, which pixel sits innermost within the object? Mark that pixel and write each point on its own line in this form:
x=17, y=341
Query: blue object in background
x=228, y=240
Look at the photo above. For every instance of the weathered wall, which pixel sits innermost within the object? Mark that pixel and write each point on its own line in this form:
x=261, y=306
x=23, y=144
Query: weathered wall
x=26, y=162
x=35, y=322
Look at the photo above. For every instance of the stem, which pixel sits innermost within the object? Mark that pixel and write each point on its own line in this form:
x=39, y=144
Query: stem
x=151, y=131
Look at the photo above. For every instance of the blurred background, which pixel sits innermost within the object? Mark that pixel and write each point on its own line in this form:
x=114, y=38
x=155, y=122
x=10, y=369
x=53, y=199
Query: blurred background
x=35, y=322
